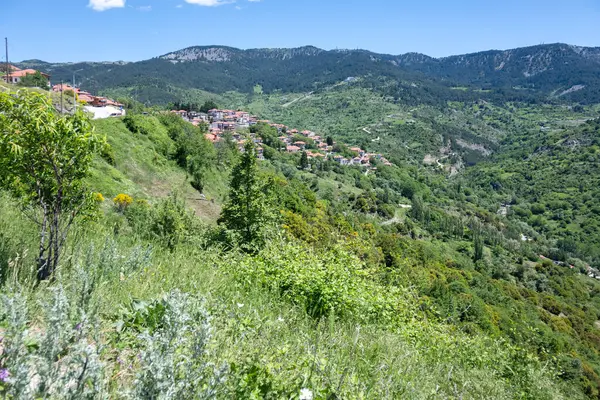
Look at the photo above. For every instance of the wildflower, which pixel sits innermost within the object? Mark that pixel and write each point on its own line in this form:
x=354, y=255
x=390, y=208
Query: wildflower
x=240, y=305
x=280, y=319
x=122, y=201
x=4, y=375
x=78, y=327
x=306, y=394
x=98, y=197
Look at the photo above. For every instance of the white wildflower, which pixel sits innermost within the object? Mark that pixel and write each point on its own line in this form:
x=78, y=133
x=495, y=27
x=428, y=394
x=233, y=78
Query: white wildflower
x=240, y=305
x=306, y=394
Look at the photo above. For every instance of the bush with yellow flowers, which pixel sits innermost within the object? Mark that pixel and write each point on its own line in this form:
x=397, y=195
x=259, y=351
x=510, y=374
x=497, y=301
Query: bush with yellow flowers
x=122, y=201
x=98, y=198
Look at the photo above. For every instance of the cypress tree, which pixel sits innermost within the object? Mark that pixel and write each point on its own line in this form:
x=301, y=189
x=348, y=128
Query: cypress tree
x=248, y=212
x=304, y=160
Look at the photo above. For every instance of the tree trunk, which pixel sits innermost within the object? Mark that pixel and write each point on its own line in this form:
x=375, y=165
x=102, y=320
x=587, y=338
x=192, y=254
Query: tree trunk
x=42, y=262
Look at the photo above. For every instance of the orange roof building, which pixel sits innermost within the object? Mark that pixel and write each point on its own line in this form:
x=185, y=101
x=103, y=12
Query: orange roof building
x=17, y=76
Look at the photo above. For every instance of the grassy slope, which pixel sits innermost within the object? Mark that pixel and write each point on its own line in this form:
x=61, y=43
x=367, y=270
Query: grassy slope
x=275, y=348
x=143, y=170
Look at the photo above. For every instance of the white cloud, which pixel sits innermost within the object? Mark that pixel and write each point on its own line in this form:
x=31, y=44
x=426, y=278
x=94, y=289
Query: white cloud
x=103, y=5
x=179, y=6
x=210, y=3
x=145, y=8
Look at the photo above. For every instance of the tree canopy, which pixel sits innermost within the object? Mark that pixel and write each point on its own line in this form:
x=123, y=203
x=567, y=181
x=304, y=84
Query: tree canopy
x=34, y=80
x=44, y=158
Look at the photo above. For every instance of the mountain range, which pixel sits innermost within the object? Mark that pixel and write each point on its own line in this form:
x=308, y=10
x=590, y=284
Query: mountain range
x=549, y=72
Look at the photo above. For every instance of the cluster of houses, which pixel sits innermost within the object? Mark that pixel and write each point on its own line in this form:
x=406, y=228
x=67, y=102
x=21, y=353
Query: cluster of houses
x=15, y=75
x=229, y=121
x=86, y=97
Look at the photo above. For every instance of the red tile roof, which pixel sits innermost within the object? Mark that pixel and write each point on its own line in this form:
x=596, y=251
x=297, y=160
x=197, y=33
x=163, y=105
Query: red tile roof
x=24, y=72
x=86, y=98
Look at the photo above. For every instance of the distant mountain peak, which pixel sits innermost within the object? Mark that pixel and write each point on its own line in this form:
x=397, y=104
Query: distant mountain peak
x=201, y=53
x=224, y=53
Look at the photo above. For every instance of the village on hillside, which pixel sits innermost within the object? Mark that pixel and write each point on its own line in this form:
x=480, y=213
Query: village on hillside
x=222, y=122
x=99, y=106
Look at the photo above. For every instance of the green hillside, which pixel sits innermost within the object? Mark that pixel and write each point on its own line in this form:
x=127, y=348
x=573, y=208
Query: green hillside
x=402, y=282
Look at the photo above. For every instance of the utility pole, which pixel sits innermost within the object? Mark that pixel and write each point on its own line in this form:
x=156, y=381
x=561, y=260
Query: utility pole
x=7, y=64
x=74, y=96
x=61, y=96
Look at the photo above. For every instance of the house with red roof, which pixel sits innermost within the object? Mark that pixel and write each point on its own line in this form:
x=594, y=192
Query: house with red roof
x=301, y=145
x=62, y=88
x=212, y=137
x=358, y=150
x=16, y=76
x=86, y=98
x=310, y=155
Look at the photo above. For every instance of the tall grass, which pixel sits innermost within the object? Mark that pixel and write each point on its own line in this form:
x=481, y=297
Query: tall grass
x=130, y=320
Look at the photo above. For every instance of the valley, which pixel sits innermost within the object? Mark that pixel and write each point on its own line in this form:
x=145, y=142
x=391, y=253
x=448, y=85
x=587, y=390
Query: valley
x=344, y=223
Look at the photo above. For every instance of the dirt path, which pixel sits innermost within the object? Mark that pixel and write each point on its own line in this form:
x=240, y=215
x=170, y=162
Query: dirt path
x=396, y=219
x=286, y=105
x=367, y=131
x=392, y=221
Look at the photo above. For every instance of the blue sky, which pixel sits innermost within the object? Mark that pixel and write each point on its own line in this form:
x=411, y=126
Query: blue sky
x=131, y=30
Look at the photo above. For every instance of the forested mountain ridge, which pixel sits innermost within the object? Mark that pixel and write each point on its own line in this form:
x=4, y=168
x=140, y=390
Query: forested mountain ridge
x=554, y=71
x=548, y=68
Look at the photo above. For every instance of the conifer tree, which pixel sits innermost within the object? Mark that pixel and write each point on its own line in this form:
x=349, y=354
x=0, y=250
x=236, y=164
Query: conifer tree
x=248, y=211
x=478, y=244
x=304, y=160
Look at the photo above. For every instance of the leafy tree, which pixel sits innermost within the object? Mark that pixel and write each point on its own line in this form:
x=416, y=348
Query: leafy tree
x=304, y=160
x=193, y=151
x=227, y=150
x=248, y=212
x=44, y=158
x=268, y=135
x=171, y=222
x=34, y=80
x=329, y=141
x=418, y=208
x=207, y=106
